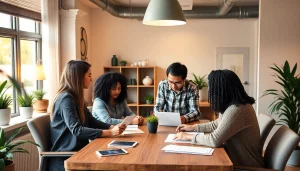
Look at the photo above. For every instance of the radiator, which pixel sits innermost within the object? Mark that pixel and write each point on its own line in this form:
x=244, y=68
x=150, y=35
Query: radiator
x=24, y=161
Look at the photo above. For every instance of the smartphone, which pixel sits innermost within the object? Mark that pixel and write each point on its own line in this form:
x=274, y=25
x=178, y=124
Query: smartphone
x=122, y=144
x=111, y=152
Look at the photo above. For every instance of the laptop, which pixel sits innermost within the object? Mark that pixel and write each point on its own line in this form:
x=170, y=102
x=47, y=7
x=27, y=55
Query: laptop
x=168, y=118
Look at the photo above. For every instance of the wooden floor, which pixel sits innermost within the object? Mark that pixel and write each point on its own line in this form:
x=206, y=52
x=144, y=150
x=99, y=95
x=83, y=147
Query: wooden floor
x=288, y=168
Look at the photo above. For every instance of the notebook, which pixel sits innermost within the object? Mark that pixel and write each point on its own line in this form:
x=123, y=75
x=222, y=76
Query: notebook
x=168, y=118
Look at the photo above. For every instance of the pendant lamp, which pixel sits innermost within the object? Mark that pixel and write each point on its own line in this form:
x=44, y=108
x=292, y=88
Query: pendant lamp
x=164, y=13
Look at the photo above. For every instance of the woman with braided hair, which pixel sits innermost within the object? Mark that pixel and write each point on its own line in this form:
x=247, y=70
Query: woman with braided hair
x=236, y=129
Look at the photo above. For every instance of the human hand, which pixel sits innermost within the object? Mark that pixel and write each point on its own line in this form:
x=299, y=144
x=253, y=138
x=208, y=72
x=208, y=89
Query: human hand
x=185, y=128
x=141, y=120
x=135, y=121
x=183, y=136
x=183, y=120
x=118, y=129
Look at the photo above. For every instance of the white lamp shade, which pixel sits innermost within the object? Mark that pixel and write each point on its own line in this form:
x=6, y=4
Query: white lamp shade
x=164, y=13
x=39, y=72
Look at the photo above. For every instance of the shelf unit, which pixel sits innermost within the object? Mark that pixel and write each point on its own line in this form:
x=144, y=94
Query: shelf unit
x=136, y=93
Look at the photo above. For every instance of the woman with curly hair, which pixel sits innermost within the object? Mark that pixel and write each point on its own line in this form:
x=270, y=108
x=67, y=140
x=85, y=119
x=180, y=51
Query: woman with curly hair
x=236, y=129
x=110, y=94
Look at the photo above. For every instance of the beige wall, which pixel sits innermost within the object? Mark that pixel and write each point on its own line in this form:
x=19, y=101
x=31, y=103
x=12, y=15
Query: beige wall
x=279, y=41
x=193, y=44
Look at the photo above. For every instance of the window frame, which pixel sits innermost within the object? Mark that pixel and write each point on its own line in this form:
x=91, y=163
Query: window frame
x=16, y=36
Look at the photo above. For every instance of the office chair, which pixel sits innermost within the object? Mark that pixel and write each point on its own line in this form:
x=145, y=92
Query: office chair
x=265, y=123
x=278, y=151
x=40, y=130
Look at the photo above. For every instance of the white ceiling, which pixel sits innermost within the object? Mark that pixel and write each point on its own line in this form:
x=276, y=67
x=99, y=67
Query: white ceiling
x=144, y=3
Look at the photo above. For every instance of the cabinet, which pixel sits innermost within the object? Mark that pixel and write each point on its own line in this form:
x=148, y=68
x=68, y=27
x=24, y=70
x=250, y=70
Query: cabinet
x=136, y=93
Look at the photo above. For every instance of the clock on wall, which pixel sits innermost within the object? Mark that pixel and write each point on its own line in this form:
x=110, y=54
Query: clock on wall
x=83, y=44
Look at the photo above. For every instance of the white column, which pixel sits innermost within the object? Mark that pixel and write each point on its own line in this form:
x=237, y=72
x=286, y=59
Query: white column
x=68, y=35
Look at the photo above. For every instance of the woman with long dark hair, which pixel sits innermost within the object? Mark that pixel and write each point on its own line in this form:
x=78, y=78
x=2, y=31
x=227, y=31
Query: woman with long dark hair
x=236, y=129
x=110, y=94
x=72, y=125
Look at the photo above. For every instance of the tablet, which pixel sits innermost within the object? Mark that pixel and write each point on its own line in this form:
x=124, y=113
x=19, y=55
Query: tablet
x=111, y=152
x=128, y=120
x=122, y=144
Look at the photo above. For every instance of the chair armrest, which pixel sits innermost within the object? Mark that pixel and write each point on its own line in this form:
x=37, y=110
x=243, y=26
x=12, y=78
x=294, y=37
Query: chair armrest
x=57, y=154
x=244, y=168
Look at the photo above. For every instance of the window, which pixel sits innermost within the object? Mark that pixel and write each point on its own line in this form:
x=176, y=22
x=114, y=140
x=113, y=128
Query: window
x=20, y=48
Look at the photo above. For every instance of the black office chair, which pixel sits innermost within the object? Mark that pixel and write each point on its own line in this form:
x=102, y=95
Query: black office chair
x=278, y=151
x=40, y=130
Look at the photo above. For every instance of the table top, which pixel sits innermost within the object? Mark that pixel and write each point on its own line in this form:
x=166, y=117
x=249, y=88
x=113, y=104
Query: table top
x=147, y=155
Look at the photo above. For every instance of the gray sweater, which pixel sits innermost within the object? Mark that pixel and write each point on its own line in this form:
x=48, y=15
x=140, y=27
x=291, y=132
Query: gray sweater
x=238, y=131
x=66, y=130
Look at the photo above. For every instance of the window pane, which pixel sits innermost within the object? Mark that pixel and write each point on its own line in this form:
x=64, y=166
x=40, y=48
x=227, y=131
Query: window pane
x=27, y=25
x=6, y=65
x=5, y=20
x=28, y=57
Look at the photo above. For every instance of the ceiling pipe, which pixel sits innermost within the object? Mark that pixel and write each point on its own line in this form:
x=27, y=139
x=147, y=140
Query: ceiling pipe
x=228, y=4
x=196, y=13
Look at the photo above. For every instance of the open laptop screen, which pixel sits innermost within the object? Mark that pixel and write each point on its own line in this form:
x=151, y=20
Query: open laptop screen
x=168, y=118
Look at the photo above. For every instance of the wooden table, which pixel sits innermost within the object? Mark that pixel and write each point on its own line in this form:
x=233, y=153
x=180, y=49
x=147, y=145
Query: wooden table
x=147, y=155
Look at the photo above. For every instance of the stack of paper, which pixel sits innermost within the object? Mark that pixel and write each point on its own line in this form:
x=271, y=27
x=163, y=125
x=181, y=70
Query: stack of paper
x=133, y=129
x=188, y=150
x=170, y=138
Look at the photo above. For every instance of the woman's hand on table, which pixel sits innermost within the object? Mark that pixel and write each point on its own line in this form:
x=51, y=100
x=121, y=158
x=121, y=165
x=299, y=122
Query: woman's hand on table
x=183, y=136
x=185, y=128
x=138, y=120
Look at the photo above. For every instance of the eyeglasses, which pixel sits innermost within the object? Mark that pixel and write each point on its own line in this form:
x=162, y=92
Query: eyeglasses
x=177, y=84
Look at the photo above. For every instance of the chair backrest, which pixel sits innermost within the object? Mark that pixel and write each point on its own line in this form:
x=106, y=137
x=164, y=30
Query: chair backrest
x=265, y=123
x=280, y=148
x=40, y=130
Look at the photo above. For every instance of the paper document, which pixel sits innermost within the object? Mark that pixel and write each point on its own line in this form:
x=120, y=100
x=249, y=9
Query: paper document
x=170, y=138
x=128, y=120
x=188, y=150
x=132, y=129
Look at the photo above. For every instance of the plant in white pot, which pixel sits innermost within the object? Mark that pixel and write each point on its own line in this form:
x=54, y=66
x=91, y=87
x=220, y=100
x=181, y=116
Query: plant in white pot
x=202, y=86
x=286, y=102
x=26, y=105
x=8, y=147
x=5, y=101
x=40, y=105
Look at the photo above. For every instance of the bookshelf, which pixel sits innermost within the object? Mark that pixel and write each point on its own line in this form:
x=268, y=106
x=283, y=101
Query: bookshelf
x=137, y=92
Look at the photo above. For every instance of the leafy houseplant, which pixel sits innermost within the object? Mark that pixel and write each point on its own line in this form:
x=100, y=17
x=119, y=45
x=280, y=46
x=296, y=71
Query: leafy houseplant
x=287, y=100
x=5, y=102
x=40, y=105
x=25, y=103
x=201, y=83
x=123, y=63
x=149, y=99
x=8, y=147
x=152, y=123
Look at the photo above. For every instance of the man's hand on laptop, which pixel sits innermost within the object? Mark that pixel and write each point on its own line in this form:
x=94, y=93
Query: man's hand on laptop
x=185, y=128
x=183, y=120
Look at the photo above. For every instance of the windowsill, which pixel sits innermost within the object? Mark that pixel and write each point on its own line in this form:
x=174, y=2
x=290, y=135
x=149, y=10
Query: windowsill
x=19, y=121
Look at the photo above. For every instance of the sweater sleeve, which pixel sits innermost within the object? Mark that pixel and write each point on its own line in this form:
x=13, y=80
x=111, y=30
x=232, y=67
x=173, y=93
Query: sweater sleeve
x=232, y=122
x=207, y=127
x=71, y=118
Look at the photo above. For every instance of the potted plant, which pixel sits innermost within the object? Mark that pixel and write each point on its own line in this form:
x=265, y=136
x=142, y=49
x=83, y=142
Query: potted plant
x=149, y=99
x=8, y=147
x=123, y=62
x=286, y=102
x=152, y=123
x=26, y=102
x=202, y=84
x=40, y=105
x=5, y=102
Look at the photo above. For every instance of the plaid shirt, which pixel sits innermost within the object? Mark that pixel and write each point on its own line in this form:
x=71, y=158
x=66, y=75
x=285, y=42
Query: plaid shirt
x=186, y=101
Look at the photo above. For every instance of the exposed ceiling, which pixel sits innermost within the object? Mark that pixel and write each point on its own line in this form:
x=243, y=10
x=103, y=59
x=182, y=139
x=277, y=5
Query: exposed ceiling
x=144, y=3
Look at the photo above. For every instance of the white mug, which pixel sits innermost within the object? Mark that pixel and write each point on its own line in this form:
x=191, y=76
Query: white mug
x=145, y=62
x=140, y=63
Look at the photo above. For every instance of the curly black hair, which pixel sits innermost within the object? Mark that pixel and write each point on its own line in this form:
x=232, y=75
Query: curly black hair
x=177, y=69
x=107, y=81
x=225, y=89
